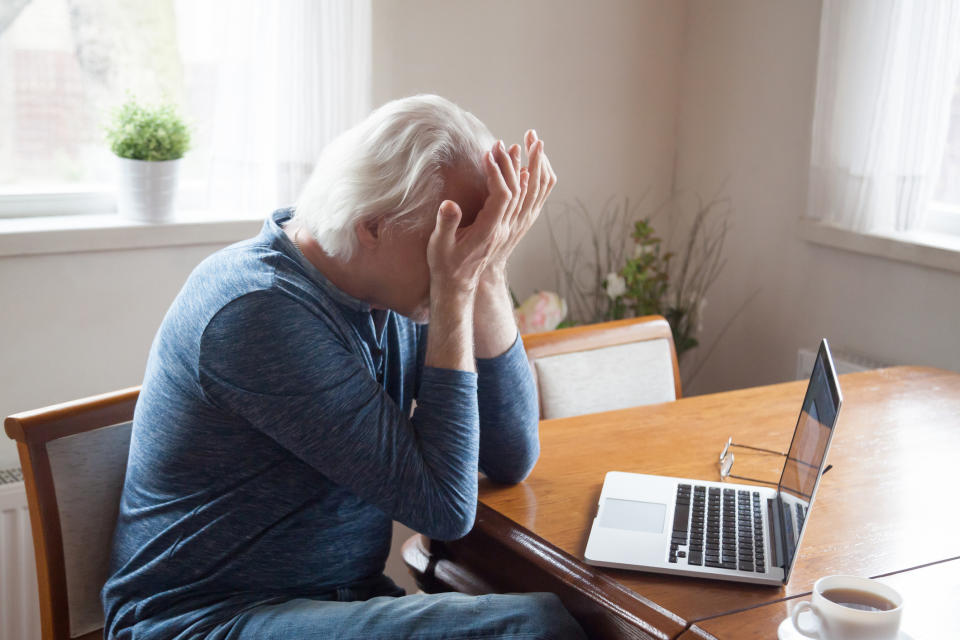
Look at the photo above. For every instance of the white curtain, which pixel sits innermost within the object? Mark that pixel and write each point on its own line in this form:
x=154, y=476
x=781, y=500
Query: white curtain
x=885, y=80
x=270, y=83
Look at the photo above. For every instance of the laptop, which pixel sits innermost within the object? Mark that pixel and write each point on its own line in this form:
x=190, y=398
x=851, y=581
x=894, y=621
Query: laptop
x=721, y=530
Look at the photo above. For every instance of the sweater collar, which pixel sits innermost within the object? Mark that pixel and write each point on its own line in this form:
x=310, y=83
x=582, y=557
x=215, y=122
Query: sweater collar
x=273, y=227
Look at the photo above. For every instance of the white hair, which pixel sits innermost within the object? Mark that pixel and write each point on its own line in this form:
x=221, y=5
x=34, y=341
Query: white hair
x=389, y=166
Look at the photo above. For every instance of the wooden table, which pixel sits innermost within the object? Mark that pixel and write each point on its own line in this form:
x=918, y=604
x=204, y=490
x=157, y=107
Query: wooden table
x=883, y=508
x=931, y=595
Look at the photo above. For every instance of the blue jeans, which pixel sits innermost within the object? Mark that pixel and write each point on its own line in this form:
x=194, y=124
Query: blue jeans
x=364, y=614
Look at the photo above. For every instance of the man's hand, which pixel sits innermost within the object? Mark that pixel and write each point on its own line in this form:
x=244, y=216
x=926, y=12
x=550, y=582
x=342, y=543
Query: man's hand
x=466, y=260
x=494, y=327
x=537, y=180
x=457, y=256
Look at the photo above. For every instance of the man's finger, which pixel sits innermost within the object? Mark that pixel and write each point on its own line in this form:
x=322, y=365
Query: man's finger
x=529, y=139
x=550, y=180
x=448, y=219
x=544, y=176
x=515, y=156
x=536, y=163
x=505, y=162
x=524, y=186
x=499, y=194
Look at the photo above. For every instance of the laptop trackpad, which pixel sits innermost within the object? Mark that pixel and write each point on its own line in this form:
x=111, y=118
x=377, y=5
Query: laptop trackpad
x=632, y=515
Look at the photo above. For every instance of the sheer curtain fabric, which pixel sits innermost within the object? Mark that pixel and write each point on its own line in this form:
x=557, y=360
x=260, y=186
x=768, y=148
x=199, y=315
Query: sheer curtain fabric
x=885, y=80
x=272, y=84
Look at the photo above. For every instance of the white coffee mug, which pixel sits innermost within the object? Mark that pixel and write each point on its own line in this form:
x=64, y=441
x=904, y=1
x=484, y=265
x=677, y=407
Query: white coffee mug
x=838, y=622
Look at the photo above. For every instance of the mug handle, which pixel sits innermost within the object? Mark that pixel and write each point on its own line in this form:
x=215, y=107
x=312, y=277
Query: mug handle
x=795, y=618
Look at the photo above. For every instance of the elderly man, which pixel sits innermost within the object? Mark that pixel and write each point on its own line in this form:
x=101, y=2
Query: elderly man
x=274, y=442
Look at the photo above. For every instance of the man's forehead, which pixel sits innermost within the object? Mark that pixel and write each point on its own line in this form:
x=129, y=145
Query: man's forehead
x=467, y=189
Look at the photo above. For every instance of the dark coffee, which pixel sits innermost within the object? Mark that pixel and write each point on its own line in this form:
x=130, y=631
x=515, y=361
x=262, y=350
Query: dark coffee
x=857, y=599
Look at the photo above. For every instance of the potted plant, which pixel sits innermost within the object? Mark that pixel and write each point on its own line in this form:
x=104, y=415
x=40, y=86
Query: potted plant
x=148, y=142
x=612, y=265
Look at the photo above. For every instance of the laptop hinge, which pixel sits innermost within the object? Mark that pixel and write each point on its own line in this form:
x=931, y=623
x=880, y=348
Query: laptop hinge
x=775, y=521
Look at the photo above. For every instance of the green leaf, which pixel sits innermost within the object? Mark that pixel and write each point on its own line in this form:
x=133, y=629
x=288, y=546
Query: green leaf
x=147, y=133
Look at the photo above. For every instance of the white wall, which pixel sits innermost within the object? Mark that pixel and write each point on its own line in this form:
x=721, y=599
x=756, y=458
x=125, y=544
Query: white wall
x=597, y=80
x=746, y=111
x=78, y=324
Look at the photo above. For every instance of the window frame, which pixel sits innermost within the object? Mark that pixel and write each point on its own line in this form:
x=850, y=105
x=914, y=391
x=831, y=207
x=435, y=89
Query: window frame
x=69, y=200
x=943, y=218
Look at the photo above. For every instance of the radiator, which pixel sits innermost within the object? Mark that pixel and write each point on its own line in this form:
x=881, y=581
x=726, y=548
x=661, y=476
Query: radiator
x=19, y=606
x=845, y=362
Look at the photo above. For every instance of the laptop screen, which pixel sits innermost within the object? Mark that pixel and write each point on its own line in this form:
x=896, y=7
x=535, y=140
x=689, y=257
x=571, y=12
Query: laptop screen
x=807, y=453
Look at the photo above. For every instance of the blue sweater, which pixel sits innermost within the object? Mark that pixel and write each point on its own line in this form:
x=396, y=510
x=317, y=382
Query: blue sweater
x=273, y=443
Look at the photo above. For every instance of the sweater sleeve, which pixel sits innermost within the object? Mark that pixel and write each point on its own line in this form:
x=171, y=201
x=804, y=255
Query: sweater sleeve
x=272, y=363
x=509, y=416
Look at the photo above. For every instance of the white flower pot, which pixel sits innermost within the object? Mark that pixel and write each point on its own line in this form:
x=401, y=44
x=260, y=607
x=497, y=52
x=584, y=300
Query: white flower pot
x=146, y=190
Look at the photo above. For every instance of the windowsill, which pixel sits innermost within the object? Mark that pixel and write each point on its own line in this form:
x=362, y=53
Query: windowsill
x=934, y=250
x=109, y=232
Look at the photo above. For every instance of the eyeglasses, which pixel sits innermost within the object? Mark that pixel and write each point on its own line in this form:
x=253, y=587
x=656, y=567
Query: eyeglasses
x=727, y=458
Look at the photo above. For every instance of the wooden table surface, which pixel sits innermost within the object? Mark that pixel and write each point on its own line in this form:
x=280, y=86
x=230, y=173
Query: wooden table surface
x=931, y=595
x=879, y=510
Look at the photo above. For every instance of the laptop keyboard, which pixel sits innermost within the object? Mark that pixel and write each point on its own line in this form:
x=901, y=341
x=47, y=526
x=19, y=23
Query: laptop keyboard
x=719, y=528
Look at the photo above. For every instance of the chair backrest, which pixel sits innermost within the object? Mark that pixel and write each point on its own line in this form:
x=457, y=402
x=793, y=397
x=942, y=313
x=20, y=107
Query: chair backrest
x=602, y=367
x=74, y=458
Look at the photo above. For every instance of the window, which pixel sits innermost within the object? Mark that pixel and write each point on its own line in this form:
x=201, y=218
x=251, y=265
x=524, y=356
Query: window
x=944, y=211
x=885, y=147
x=264, y=85
x=886, y=89
x=48, y=126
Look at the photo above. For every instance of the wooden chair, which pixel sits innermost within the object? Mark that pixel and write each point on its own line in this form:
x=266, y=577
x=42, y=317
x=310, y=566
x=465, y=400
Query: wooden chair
x=74, y=458
x=602, y=367
x=587, y=369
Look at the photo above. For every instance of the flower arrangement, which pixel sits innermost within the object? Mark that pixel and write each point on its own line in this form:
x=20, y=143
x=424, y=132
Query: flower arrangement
x=639, y=288
x=621, y=268
x=155, y=134
x=543, y=311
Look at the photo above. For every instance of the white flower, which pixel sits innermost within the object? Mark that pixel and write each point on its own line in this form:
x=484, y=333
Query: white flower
x=703, y=304
x=640, y=250
x=615, y=285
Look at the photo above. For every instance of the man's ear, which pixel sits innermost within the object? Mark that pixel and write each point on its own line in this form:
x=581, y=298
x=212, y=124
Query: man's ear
x=369, y=232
